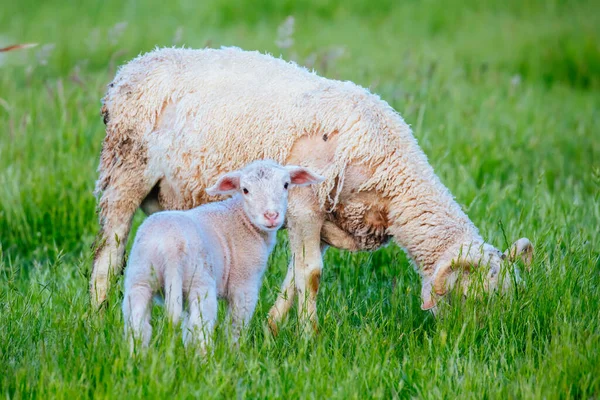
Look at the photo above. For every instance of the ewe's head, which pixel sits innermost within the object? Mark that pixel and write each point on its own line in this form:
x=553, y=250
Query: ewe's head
x=473, y=257
x=263, y=187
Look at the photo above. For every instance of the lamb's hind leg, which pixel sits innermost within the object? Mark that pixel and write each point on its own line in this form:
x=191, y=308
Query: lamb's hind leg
x=174, y=293
x=136, y=315
x=117, y=205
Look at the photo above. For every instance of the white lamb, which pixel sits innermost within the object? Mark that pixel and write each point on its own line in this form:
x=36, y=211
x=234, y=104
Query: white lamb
x=216, y=250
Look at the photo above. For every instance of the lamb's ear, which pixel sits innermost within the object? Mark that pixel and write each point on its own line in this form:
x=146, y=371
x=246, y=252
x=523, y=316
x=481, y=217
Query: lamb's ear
x=227, y=184
x=301, y=176
x=521, y=248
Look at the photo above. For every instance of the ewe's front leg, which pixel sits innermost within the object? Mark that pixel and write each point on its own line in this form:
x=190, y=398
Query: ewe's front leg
x=336, y=237
x=304, y=228
x=284, y=300
x=286, y=295
x=308, y=266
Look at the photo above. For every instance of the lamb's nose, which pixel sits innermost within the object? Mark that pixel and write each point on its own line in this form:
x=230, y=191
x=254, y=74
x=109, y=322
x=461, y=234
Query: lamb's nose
x=271, y=216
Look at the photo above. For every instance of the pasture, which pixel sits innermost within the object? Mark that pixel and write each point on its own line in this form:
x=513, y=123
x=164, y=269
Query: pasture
x=504, y=98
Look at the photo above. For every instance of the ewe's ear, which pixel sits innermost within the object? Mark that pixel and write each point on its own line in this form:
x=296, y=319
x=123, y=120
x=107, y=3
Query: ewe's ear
x=301, y=176
x=227, y=184
x=444, y=279
x=426, y=295
x=521, y=248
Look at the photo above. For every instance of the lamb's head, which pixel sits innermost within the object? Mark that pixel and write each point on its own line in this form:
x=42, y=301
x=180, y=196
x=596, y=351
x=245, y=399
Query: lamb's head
x=263, y=187
x=464, y=261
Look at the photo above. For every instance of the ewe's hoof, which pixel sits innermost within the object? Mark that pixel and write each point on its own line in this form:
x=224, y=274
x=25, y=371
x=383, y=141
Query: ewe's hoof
x=310, y=329
x=273, y=326
x=98, y=306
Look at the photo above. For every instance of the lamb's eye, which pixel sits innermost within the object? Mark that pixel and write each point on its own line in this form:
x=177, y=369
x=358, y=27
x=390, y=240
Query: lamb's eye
x=245, y=190
x=285, y=185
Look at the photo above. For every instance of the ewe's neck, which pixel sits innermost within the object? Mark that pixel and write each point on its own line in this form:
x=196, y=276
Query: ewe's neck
x=425, y=218
x=430, y=228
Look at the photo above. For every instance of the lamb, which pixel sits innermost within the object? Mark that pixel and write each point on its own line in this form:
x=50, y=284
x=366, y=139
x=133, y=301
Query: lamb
x=217, y=249
x=177, y=118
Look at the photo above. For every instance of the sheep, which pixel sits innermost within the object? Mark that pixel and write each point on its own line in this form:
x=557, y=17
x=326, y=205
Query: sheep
x=215, y=250
x=176, y=118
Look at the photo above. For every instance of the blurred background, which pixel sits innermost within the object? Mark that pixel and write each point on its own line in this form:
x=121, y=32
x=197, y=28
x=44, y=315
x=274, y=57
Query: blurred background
x=478, y=74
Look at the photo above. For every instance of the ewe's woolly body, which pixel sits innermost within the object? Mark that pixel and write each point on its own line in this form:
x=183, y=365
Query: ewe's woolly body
x=224, y=108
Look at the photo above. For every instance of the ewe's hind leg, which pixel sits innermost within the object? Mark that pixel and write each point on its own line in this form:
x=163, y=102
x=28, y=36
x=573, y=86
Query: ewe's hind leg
x=136, y=315
x=117, y=206
x=202, y=315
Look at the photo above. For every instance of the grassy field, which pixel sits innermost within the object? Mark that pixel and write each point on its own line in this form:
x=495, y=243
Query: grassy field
x=503, y=96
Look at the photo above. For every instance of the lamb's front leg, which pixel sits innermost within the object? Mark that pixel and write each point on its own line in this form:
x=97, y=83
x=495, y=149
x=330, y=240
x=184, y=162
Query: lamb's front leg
x=242, y=303
x=199, y=326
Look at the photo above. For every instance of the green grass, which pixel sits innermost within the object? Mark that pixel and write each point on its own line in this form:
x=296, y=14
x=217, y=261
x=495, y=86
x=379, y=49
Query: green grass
x=503, y=96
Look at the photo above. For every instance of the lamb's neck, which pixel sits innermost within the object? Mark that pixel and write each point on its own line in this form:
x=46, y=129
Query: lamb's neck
x=237, y=209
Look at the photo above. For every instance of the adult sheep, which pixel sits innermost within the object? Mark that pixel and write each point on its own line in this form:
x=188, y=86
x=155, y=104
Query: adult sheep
x=176, y=119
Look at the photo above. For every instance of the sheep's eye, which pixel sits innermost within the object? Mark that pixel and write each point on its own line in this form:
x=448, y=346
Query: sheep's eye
x=285, y=185
x=245, y=190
